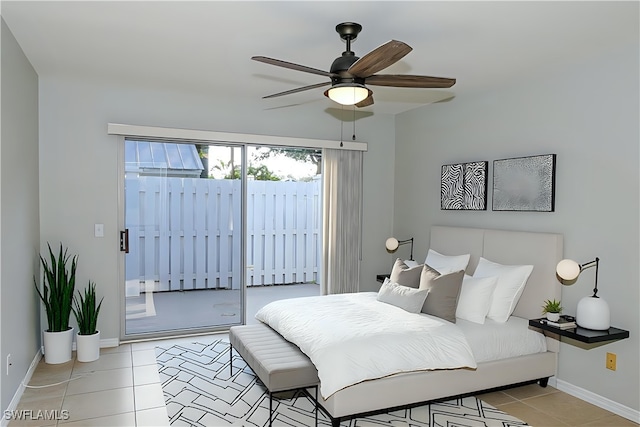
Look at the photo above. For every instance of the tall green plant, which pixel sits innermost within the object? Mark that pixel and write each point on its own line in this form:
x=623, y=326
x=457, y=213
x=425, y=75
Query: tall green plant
x=59, y=281
x=86, y=311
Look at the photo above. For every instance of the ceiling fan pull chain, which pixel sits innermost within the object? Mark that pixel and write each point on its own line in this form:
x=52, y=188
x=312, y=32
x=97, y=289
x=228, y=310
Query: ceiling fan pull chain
x=342, y=128
x=353, y=137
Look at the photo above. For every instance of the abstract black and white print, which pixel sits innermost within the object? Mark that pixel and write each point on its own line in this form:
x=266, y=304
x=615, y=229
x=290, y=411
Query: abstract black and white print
x=464, y=186
x=524, y=184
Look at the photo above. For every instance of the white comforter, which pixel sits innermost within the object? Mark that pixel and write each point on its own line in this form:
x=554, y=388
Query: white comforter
x=353, y=337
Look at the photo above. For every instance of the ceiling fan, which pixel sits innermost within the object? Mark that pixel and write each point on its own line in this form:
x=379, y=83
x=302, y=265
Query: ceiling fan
x=349, y=73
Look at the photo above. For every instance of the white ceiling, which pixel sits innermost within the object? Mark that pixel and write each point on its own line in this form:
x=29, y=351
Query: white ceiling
x=206, y=46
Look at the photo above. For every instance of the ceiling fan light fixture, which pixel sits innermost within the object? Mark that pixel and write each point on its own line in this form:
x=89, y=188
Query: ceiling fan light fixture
x=348, y=93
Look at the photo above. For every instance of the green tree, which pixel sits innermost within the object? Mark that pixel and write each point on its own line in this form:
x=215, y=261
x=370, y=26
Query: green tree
x=260, y=173
x=299, y=154
x=203, y=153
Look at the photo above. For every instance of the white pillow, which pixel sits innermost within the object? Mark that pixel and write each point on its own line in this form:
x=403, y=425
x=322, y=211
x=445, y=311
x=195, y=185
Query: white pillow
x=511, y=282
x=446, y=264
x=410, y=263
x=404, y=297
x=475, y=298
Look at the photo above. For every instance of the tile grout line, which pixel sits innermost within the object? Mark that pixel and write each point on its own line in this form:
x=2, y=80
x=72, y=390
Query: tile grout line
x=133, y=389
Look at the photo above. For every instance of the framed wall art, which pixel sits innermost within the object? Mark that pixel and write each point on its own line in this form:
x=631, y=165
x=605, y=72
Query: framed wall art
x=524, y=184
x=463, y=186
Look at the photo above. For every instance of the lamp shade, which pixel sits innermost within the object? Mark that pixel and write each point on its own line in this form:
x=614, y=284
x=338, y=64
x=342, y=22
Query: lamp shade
x=568, y=269
x=392, y=244
x=348, y=93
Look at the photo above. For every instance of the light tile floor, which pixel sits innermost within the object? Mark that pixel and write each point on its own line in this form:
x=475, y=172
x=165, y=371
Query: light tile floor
x=122, y=388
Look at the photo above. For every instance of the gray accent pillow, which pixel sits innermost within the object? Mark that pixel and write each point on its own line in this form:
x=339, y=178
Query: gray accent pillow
x=444, y=292
x=404, y=275
x=404, y=297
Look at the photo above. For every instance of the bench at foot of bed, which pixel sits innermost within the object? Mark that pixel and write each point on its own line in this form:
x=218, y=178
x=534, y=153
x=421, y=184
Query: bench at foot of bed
x=280, y=365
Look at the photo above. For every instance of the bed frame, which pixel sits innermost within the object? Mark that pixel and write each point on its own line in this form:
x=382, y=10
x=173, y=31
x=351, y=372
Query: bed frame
x=543, y=251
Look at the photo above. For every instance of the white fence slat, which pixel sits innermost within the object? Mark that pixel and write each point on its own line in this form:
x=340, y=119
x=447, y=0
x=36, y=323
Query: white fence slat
x=213, y=233
x=200, y=251
x=289, y=202
x=175, y=233
x=300, y=226
x=236, y=236
x=188, y=234
x=224, y=245
x=269, y=246
x=149, y=225
x=163, y=242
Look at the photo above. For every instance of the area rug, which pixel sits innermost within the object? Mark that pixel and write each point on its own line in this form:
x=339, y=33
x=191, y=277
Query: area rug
x=199, y=391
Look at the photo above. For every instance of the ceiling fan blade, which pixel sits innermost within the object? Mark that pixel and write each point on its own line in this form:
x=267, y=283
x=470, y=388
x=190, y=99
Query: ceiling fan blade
x=300, y=89
x=291, y=65
x=407, y=80
x=379, y=58
x=366, y=102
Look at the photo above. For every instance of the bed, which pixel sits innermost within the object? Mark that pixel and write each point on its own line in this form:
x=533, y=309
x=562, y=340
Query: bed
x=542, y=251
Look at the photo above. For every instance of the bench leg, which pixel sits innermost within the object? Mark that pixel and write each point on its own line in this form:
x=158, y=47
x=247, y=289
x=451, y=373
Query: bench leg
x=316, y=406
x=270, y=407
x=230, y=360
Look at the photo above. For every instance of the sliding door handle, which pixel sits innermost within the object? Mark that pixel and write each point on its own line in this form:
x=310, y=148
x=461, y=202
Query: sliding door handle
x=124, y=240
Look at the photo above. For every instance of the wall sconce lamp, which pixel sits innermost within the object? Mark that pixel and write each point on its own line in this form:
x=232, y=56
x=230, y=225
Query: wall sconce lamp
x=592, y=311
x=392, y=244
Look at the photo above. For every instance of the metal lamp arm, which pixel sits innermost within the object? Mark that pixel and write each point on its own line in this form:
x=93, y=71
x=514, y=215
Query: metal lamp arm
x=404, y=242
x=584, y=266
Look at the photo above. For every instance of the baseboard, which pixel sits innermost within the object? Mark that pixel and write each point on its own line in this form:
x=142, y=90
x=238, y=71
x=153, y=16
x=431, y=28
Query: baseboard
x=13, y=405
x=600, y=401
x=109, y=342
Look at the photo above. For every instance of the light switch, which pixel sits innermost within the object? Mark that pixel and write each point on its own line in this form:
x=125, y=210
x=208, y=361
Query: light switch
x=98, y=230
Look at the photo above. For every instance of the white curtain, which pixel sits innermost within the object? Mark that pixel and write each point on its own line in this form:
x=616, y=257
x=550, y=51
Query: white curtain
x=342, y=218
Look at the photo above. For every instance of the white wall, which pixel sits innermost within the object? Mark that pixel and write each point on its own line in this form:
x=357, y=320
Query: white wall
x=79, y=168
x=19, y=313
x=587, y=115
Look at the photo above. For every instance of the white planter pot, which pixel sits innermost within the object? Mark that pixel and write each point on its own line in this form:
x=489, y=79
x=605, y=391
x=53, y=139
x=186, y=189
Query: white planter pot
x=88, y=347
x=57, y=346
x=554, y=317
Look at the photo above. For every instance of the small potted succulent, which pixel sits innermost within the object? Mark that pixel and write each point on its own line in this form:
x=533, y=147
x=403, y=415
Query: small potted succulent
x=86, y=312
x=552, y=309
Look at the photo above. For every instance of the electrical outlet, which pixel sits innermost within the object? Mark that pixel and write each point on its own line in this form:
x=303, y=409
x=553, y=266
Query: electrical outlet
x=8, y=362
x=611, y=361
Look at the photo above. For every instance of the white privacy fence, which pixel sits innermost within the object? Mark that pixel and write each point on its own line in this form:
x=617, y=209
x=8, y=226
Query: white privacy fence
x=185, y=233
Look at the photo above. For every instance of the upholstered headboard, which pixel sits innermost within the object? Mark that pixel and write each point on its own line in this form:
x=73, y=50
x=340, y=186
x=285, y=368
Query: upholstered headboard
x=542, y=250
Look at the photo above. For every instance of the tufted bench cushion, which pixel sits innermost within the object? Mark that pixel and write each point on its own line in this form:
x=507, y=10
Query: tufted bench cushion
x=279, y=364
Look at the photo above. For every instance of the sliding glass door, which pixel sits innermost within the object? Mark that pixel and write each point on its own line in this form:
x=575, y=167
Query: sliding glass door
x=209, y=241
x=183, y=238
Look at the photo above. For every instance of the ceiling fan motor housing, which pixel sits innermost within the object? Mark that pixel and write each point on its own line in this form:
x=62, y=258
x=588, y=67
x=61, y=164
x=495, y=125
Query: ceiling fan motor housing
x=339, y=69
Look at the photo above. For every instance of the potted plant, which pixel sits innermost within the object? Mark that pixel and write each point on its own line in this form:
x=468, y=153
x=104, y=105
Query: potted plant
x=58, y=286
x=86, y=312
x=552, y=309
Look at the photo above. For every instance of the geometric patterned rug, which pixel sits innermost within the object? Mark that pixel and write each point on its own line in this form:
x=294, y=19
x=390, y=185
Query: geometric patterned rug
x=198, y=391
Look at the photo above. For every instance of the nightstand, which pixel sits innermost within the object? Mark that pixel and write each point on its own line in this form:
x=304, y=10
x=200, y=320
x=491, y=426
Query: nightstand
x=582, y=334
x=380, y=277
